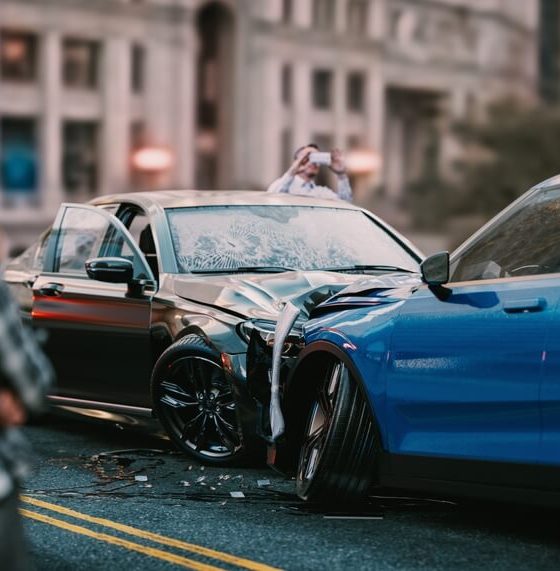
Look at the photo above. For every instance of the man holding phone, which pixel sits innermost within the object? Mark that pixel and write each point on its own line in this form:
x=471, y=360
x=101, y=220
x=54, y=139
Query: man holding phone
x=300, y=177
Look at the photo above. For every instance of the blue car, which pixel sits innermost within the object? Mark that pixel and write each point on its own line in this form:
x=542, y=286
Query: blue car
x=447, y=381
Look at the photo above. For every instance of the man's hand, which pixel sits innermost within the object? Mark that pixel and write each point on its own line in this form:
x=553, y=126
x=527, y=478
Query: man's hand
x=301, y=161
x=337, y=162
x=12, y=412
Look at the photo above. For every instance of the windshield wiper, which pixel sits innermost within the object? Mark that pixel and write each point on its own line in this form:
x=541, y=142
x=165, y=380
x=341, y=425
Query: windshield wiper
x=366, y=267
x=245, y=270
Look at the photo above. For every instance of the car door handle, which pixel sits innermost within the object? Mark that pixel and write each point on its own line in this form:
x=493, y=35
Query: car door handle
x=51, y=290
x=525, y=305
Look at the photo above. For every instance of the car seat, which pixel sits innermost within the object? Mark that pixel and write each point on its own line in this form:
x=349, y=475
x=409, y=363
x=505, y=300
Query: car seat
x=148, y=247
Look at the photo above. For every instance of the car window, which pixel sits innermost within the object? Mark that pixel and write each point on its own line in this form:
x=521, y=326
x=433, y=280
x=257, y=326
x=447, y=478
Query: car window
x=87, y=232
x=80, y=236
x=300, y=237
x=522, y=242
x=32, y=259
x=136, y=225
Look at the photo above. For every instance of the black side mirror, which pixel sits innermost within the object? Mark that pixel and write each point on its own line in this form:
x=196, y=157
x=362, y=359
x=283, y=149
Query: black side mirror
x=435, y=269
x=112, y=270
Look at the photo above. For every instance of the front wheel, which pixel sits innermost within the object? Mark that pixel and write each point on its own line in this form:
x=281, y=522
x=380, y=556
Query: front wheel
x=337, y=456
x=195, y=402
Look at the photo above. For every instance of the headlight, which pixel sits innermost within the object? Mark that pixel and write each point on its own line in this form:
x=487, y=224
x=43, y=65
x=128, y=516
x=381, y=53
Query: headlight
x=265, y=332
x=264, y=329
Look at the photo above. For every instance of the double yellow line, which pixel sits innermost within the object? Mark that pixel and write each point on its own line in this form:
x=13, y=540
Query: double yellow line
x=135, y=532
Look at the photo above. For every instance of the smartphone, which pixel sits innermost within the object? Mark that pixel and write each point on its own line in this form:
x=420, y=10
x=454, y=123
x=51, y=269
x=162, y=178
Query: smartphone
x=320, y=158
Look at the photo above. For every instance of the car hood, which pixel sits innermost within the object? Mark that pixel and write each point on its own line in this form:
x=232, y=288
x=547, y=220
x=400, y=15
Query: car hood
x=262, y=296
x=389, y=287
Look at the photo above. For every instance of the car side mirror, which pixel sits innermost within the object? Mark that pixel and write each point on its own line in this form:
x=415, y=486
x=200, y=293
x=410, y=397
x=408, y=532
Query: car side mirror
x=435, y=269
x=112, y=270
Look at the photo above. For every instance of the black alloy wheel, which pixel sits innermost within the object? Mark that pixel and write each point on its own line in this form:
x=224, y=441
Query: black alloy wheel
x=337, y=456
x=195, y=402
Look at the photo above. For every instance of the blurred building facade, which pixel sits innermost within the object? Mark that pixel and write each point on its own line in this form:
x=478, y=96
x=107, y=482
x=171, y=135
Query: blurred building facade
x=227, y=89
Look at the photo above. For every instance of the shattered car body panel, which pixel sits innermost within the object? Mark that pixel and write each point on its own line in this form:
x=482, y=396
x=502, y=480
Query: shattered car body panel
x=278, y=356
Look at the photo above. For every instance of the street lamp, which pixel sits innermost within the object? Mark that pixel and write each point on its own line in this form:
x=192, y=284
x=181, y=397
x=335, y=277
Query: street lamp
x=363, y=161
x=152, y=159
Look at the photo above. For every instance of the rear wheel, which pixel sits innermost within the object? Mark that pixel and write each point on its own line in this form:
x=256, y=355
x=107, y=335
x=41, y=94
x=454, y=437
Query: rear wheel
x=337, y=455
x=195, y=402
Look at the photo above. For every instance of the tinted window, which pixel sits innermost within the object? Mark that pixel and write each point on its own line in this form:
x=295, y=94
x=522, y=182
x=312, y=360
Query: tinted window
x=522, y=242
x=86, y=233
x=79, y=238
x=305, y=238
x=33, y=257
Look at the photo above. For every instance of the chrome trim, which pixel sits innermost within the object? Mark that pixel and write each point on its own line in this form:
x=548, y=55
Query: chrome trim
x=80, y=403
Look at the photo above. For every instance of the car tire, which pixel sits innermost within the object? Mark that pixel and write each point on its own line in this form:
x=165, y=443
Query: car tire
x=338, y=452
x=195, y=403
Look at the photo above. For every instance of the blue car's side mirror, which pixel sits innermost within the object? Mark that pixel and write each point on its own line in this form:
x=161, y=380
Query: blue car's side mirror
x=435, y=269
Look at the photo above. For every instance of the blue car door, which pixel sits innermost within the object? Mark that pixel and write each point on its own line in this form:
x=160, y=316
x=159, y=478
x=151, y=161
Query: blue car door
x=549, y=451
x=465, y=365
x=463, y=375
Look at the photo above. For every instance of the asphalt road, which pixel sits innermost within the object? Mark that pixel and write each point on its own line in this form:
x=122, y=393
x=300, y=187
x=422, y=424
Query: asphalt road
x=103, y=497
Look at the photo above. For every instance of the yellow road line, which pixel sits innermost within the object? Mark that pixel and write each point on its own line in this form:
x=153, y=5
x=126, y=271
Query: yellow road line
x=157, y=553
x=155, y=537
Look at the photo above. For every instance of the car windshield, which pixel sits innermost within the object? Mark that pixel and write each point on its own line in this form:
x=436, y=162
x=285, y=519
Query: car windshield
x=234, y=238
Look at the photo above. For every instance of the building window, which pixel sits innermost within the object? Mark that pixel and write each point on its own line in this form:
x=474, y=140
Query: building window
x=287, y=149
x=355, y=92
x=287, y=11
x=358, y=17
x=354, y=142
x=18, y=158
x=287, y=82
x=323, y=14
x=80, y=163
x=80, y=60
x=137, y=69
x=322, y=87
x=18, y=56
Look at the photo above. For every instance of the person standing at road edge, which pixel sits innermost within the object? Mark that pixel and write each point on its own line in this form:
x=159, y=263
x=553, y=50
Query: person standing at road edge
x=300, y=177
x=25, y=376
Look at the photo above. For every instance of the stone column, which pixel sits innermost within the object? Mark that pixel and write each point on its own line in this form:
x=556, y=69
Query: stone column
x=51, y=132
x=340, y=16
x=377, y=14
x=340, y=107
x=185, y=130
x=160, y=96
x=302, y=103
x=271, y=124
x=375, y=114
x=303, y=13
x=115, y=130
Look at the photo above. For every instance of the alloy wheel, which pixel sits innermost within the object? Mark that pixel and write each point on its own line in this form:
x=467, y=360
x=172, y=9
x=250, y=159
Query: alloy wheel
x=319, y=422
x=199, y=407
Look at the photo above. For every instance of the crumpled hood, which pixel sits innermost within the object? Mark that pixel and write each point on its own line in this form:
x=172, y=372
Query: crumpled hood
x=262, y=296
x=373, y=290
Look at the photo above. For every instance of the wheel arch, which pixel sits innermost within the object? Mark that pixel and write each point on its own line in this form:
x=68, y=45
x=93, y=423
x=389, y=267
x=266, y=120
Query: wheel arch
x=299, y=389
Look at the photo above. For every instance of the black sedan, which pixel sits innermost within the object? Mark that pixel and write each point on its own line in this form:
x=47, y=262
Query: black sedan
x=148, y=300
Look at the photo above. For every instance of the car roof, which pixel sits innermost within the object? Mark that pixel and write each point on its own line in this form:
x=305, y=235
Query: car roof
x=553, y=181
x=186, y=198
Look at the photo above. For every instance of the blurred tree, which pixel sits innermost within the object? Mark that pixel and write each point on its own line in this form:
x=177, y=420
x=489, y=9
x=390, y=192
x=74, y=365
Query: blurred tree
x=510, y=151
x=427, y=196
